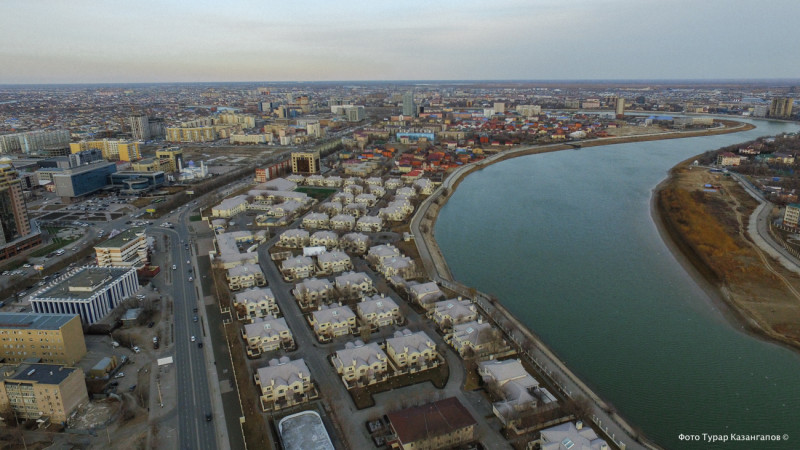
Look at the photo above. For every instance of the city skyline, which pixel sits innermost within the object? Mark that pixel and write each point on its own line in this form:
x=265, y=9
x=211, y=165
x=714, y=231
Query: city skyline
x=89, y=42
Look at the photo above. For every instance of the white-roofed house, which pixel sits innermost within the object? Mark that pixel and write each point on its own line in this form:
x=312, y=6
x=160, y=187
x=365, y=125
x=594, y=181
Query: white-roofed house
x=266, y=334
x=367, y=199
x=379, y=311
x=343, y=222
x=343, y=197
x=369, y=224
x=297, y=267
x=424, y=185
x=405, y=192
x=356, y=209
x=475, y=338
x=331, y=321
x=294, y=238
x=284, y=383
x=256, y=302
x=324, y=238
x=412, y=352
x=377, y=191
x=356, y=243
x=360, y=364
x=447, y=313
x=331, y=208
x=393, y=183
x=354, y=189
x=570, y=435
x=315, y=180
x=334, y=261
x=425, y=294
x=374, y=181
x=316, y=221
x=296, y=178
x=245, y=276
x=377, y=254
x=334, y=181
x=402, y=266
x=230, y=207
x=396, y=210
x=513, y=388
x=353, y=285
x=312, y=292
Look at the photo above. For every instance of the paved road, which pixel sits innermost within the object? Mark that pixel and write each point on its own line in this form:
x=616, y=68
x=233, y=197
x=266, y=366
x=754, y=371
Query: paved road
x=194, y=401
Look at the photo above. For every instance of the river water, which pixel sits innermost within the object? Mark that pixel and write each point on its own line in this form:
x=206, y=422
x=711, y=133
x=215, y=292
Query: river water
x=566, y=241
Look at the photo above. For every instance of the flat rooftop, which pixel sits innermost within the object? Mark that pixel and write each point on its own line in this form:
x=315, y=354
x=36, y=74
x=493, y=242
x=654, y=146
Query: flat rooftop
x=84, y=283
x=304, y=431
x=34, y=321
x=38, y=373
x=123, y=238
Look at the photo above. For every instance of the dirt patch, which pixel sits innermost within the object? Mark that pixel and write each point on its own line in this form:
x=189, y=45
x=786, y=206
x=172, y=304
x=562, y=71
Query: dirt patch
x=709, y=228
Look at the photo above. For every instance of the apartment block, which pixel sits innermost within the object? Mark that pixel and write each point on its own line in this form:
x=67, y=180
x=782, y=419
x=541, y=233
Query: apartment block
x=53, y=338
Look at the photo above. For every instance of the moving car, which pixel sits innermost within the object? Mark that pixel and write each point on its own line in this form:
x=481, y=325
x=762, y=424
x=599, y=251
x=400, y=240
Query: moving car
x=194, y=338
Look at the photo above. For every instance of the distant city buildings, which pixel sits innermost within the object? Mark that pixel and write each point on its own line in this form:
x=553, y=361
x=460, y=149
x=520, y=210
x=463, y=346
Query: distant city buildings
x=112, y=149
x=409, y=108
x=45, y=142
x=781, y=107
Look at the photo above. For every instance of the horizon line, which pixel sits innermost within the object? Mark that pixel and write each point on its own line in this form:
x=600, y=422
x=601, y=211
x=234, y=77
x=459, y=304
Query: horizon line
x=437, y=81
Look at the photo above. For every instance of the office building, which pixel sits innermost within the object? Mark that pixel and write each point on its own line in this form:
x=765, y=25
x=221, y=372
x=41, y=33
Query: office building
x=52, y=338
x=42, y=391
x=13, y=212
x=781, y=107
x=355, y=113
x=81, y=180
x=127, y=249
x=409, y=108
x=152, y=165
x=84, y=157
x=90, y=292
x=305, y=163
x=130, y=182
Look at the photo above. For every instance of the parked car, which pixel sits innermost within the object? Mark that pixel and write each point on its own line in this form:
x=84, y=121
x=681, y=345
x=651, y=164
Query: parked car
x=119, y=375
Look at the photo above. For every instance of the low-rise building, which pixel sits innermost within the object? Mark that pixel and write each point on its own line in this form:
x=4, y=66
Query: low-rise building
x=425, y=294
x=297, y=267
x=324, y=238
x=379, y=311
x=424, y=185
x=570, y=435
x=515, y=389
x=284, y=383
x=353, y=285
x=42, y=391
x=245, y=276
x=361, y=364
x=443, y=424
x=334, y=261
x=90, y=292
x=312, y=292
x=228, y=254
x=356, y=243
x=356, y=210
x=332, y=321
x=343, y=222
x=393, y=183
x=369, y=224
x=254, y=303
x=475, y=338
x=791, y=217
x=331, y=208
x=266, y=334
x=447, y=313
x=126, y=249
x=412, y=352
x=230, y=207
x=316, y=221
x=367, y=199
x=294, y=238
x=51, y=338
x=396, y=210
x=728, y=159
x=345, y=198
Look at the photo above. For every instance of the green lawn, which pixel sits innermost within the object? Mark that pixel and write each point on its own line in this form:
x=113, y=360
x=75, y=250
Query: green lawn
x=317, y=193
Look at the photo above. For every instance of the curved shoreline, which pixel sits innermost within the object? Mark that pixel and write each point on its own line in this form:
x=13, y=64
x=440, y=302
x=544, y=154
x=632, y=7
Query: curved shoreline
x=438, y=270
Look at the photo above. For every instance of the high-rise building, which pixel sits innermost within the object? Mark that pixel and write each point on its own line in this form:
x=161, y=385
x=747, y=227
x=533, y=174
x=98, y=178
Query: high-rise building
x=140, y=127
x=620, y=107
x=781, y=107
x=409, y=108
x=499, y=108
x=305, y=162
x=113, y=149
x=355, y=113
x=48, y=142
x=14, y=222
x=174, y=155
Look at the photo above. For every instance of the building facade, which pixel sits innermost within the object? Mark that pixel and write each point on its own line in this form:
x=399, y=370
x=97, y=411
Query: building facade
x=127, y=249
x=305, y=162
x=53, y=338
x=34, y=391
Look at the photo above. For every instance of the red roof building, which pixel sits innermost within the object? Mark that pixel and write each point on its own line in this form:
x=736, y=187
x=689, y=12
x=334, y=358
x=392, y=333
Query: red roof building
x=441, y=424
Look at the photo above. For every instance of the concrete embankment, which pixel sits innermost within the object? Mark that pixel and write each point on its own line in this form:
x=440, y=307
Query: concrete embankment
x=616, y=428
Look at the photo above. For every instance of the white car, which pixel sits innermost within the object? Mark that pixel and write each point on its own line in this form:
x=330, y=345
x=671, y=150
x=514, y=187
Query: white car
x=188, y=262
x=193, y=339
x=136, y=349
x=119, y=375
x=26, y=265
x=191, y=279
x=174, y=267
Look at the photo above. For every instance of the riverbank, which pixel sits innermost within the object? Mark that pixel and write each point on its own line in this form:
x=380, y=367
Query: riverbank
x=423, y=225
x=752, y=291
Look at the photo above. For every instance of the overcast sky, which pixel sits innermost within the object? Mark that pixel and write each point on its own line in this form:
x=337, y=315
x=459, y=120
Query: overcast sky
x=78, y=41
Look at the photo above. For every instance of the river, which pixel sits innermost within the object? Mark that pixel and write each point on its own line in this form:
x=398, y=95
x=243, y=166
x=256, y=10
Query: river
x=566, y=241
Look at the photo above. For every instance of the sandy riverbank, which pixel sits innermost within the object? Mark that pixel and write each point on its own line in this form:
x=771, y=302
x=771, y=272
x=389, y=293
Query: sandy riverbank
x=751, y=291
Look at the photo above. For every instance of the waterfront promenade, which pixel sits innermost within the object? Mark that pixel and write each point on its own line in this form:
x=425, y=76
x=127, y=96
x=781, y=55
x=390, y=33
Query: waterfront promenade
x=531, y=347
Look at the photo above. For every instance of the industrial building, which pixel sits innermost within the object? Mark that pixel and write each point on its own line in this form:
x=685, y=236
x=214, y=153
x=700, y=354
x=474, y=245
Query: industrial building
x=52, y=338
x=90, y=292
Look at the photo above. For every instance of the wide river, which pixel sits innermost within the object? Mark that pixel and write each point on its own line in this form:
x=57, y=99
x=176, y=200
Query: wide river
x=567, y=242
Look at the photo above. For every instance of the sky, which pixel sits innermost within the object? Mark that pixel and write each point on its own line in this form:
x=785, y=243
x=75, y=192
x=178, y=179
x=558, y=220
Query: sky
x=102, y=41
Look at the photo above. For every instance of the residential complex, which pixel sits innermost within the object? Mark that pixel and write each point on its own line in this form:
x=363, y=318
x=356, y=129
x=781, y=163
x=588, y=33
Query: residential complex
x=42, y=391
x=50, y=338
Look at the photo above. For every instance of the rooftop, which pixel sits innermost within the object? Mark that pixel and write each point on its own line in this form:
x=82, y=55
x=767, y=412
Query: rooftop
x=35, y=373
x=33, y=321
x=304, y=431
x=84, y=283
x=123, y=238
x=434, y=419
